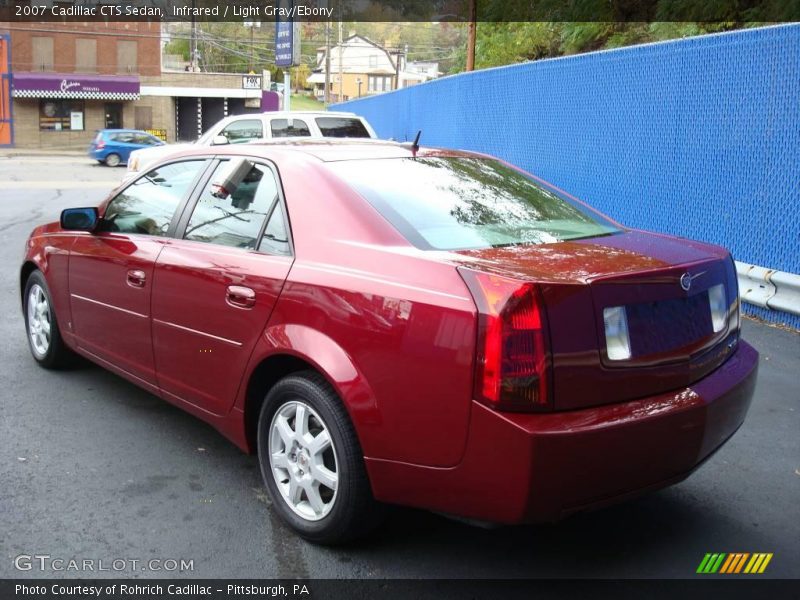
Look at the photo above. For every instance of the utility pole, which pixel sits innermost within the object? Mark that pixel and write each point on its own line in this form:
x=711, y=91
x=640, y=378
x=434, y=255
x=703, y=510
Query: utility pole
x=471, y=31
x=252, y=58
x=287, y=90
x=341, y=68
x=398, y=54
x=193, y=45
x=327, y=62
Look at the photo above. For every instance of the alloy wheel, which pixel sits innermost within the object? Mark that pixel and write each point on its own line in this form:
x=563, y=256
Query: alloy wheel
x=39, y=320
x=303, y=460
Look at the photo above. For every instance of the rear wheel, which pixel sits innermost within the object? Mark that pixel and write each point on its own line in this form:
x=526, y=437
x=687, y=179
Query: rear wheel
x=112, y=160
x=44, y=337
x=312, y=463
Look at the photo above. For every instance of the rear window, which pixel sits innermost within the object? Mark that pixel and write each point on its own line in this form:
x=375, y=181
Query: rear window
x=342, y=127
x=458, y=203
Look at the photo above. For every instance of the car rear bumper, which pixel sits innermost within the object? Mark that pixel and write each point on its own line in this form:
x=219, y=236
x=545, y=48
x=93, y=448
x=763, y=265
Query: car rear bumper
x=541, y=467
x=97, y=154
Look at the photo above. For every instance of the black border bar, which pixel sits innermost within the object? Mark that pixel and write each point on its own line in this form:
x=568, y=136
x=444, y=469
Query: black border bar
x=733, y=588
x=717, y=11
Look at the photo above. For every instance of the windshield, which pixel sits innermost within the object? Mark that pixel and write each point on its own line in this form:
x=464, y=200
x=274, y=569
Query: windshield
x=208, y=135
x=459, y=203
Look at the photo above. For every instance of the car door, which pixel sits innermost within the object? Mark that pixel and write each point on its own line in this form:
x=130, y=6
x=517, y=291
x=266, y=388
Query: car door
x=124, y=145
x=215, y=288
x=111, y=270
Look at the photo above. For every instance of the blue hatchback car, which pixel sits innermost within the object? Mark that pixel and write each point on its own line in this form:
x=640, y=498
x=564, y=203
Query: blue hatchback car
x=114, y=146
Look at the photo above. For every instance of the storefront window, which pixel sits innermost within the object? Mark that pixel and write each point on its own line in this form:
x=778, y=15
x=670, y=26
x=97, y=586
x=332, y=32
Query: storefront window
x=61, y=115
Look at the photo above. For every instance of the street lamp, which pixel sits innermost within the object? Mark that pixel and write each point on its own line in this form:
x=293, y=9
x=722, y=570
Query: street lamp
x=359, y=82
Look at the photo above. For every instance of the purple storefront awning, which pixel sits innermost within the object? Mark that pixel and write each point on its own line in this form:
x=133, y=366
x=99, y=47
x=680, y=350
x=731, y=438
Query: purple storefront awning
x=69, y=85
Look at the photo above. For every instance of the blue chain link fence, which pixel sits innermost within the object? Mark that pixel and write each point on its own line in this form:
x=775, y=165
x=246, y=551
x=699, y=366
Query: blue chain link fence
x=698, y=138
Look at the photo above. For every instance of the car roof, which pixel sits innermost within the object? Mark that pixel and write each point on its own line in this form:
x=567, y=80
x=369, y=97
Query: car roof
x=124, y=131
x=285, y=114
x=321, y=113
x=338, y=149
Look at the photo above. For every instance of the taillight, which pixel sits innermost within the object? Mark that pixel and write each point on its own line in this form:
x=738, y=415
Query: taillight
x=511, y=365
x=101, y=144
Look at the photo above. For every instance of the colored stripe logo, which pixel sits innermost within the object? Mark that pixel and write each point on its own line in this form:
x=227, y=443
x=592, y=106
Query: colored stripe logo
x=734, y=563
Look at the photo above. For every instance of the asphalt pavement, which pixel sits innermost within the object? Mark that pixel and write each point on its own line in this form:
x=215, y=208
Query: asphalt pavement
x=92, y=467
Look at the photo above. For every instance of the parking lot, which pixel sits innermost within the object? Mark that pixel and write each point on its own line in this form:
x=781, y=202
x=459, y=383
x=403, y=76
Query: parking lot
x=94, y=467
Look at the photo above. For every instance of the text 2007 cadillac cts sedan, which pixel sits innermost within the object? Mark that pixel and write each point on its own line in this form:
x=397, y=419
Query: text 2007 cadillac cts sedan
x=382, y=323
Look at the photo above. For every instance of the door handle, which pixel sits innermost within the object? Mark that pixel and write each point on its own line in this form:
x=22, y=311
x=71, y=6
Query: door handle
x=240, y=296
x=136, y=278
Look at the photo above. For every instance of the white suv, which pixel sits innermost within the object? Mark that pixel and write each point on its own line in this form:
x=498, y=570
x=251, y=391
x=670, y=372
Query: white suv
x=239, y=129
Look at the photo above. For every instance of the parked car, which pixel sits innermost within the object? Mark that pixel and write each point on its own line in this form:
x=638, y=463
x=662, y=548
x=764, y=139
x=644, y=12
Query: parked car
x=240, y=129
x=448, y=333
x=114, y=146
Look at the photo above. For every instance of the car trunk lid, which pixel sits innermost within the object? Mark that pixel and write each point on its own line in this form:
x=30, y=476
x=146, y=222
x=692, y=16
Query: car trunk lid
x=672, y=337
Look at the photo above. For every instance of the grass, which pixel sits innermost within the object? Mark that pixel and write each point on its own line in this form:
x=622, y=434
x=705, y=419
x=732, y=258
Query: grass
x=300, y=102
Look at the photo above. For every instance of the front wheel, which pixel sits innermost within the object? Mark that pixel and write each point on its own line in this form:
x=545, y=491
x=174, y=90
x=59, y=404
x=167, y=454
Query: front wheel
x=312, y=463
x=44, y=337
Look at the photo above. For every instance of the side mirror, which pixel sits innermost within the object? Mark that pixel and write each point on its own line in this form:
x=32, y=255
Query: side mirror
x=219, y=140
x=233, y=177
x=79, y=219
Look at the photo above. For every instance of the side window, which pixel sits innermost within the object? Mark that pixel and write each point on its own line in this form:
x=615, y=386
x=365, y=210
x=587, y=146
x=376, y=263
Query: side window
x=143, y=139
x=235, y=220
x=243, y=131
x=284, y=128
x=148, y=204
x=276, y=238
x=342, y=127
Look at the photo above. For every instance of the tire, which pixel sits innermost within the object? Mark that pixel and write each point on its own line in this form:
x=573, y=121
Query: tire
x=336, y=515
x=112, y=160
x=41, y=325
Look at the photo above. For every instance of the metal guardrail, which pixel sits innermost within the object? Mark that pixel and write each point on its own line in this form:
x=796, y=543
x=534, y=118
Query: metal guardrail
x=768, y=288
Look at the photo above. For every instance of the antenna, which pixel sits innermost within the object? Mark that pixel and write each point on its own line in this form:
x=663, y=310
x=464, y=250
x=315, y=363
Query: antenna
x=415, y=145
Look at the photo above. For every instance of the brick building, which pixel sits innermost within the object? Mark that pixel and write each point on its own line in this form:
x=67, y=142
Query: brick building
x=70, y=79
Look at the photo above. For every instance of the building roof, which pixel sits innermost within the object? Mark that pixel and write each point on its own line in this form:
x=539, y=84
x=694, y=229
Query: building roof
x=353, y=37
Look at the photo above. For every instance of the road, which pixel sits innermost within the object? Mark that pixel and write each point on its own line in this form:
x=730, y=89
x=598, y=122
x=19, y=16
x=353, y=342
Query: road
x=93, y=467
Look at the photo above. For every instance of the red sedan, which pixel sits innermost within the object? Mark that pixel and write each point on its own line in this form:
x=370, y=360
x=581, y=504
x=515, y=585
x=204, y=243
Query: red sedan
x=382, y=323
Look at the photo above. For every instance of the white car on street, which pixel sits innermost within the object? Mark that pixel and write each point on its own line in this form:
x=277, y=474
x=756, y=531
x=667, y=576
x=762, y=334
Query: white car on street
x=240, y=129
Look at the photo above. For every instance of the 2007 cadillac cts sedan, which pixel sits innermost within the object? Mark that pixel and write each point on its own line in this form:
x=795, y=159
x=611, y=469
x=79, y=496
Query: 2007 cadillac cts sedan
x=383, y=323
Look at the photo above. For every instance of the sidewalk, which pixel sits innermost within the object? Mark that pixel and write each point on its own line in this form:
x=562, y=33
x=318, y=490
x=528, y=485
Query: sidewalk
x=18, y=152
